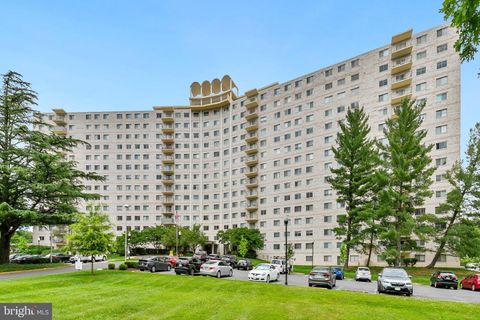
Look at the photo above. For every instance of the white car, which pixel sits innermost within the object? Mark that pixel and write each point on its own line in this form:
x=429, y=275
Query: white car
x=264, y=272
x=363, y=273
x=216, y=268
x=280, y=265
x=82, y=258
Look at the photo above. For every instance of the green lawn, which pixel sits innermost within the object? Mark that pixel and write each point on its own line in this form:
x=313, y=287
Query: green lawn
x=132, y=295
x=419, y=275
x=22, y=267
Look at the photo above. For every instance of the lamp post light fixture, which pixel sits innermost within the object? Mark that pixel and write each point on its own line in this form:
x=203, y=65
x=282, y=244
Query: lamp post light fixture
x=127, y=206
x=285, y=221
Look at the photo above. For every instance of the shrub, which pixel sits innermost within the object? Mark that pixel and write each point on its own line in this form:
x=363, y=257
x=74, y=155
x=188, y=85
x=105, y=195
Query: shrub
x=111, y=266
x=132, y=264
x=409, y=261
x=122, y=267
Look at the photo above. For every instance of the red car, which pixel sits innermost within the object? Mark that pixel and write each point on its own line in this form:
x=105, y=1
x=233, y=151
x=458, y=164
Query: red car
x=471, y=281
x=172, y=260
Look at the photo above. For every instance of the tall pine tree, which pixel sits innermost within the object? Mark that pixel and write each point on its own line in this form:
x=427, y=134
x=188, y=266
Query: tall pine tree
x=405, y=175
x=463, y=200
x=351, y=179
x=38, y=186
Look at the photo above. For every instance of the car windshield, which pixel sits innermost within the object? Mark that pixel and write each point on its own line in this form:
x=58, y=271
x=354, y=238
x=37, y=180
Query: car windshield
x=337, y=269
x=262, y=267
x=395, y=273
x=242, y=261
x=211, y=262
x=363, y=269
x=277, y=261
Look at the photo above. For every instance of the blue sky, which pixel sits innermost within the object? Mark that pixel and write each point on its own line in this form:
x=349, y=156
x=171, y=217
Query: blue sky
x=132, y=55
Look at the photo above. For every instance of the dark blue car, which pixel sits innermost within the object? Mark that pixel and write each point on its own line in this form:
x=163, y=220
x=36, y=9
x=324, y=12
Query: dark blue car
x=339, y=273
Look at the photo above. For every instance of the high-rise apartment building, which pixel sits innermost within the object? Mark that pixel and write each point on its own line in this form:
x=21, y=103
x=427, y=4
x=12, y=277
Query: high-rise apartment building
x=230, y=160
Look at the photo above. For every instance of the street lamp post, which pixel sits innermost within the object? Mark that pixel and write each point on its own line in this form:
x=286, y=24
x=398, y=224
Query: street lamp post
x=285, y=221
x=51, y=249
x=127, y=206
x=313, y=243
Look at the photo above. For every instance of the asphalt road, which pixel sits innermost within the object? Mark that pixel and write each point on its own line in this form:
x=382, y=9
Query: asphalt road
x=420, y=291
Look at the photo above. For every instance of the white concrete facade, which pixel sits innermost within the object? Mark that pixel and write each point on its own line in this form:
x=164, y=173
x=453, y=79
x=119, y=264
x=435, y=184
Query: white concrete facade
x=253, y=159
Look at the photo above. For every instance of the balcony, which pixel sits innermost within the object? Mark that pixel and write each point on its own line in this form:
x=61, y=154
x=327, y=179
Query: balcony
x=402, y=36
x=251, y=103
x=168, y=129
x=168, y=211
x=251, y=149
x=401, y=52
x=251, y=115
x=60, y=130
x=167, y=170
x=251, y=172
x=168, y=181
x=168, y=191
x=401, y=83
x=252, y=217
x=167, y=201
x=167, y=221
x=251, y=137
x=252, y=206
x=251, y=93
x=401, y=65
x=60, y=120
x=168, y=160
x=168, y=117
x=398, y=99
x=251, y=183
x=251, y=195
x=168, y=149
x=251, y=126
x=167, y=138
x=251, y=161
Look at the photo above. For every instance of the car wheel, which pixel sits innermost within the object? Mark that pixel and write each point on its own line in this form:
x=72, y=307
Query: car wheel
x=455, y=288
x=219, y=274
x=268, y=279
x=473, y=287
x=310, y=285
x=330, y=287
x=231, y=273
x=153, y=269
x=178, y=273
x=408, y=294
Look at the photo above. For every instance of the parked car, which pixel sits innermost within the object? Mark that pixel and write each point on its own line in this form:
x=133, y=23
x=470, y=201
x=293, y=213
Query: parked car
x=395, y=280
x=363, y=273
x=201, y=255
x=61, y=257
x=244, y=264
x=445, y=279
x=15, y=255
x=188, y=265
x=471, y=281
x=27, y=259
x=280, y=264
x=322, y=276
x=264, y=272
x=213, y=257
x=231, y=260
x=82, y=258
x=216, y=268
x=155, y=264
x=172, y=260
x=472, y=266
x=339, y=272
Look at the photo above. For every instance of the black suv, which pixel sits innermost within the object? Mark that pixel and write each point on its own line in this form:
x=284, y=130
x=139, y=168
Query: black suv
x=230, y=260
x=188, y=265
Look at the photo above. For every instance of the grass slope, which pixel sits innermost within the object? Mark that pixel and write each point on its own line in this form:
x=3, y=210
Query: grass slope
x=127, y=295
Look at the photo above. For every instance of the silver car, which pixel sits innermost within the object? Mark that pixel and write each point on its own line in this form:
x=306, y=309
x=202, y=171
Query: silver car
x=216, y=268
x=394, y=280
x=363, y=273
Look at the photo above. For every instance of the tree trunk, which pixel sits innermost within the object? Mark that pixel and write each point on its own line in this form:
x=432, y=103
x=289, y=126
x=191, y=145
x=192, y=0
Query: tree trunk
x=443, y=242
x=398, y=245
x=370, y=248
x=4, y=247
x=91, y=264
x=349, y=238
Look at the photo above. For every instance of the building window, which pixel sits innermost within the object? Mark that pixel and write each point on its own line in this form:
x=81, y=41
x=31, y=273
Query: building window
x=442, y=64
x=383, y=67
x=421, y=71
x=441, y=32
x=422, y=39
x=442, y=47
